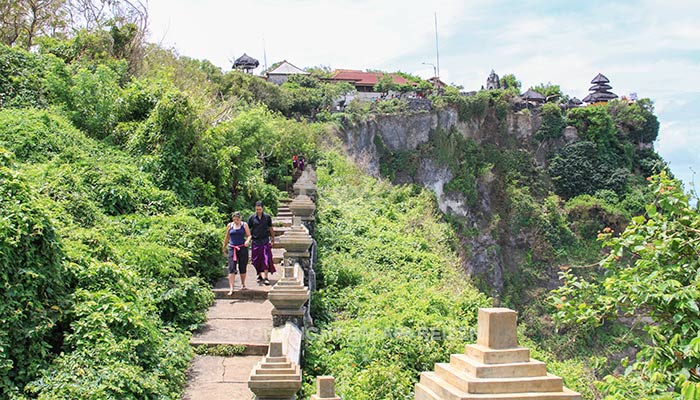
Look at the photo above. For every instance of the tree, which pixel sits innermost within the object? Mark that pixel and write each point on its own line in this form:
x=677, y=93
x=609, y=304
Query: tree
x=651, y=270
x=549, y=91
x=510, y=82
x=385, y=84
x=580, y=168
x=22, y=21
x=635, y=120
x=552, y=122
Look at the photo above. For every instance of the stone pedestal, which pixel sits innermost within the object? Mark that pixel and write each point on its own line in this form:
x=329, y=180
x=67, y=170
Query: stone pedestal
x=297, y=242
x=288, y=296
x=493, y=368
x=275, y=377
x=325, y=389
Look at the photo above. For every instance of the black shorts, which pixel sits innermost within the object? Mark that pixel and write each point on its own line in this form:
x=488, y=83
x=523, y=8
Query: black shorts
x=241, y=262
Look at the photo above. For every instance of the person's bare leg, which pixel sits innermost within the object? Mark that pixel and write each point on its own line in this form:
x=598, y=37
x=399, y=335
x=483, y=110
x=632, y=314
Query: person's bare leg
x=231, y=278
x=243, y=280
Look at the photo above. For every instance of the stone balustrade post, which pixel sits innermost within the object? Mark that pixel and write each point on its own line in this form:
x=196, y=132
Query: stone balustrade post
x=278, y=375
x=325, y=389
x=495, y=367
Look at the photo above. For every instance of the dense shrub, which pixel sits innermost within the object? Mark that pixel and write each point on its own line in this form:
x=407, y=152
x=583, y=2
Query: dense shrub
x=580, y=169
x=95, y=101
x=166, y=138
x=552, y=122
x=130, y=281
x=651, y=269
x=391, y=301
x=35, y=284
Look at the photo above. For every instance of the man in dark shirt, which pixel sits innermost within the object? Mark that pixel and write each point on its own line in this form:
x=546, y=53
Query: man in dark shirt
x=263, y=235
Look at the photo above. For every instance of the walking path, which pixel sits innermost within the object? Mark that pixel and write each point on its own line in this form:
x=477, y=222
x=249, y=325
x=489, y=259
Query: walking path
x=243, y=319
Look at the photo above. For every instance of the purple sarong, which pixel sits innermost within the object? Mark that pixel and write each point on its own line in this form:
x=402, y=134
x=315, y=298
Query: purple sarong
x=262, y=258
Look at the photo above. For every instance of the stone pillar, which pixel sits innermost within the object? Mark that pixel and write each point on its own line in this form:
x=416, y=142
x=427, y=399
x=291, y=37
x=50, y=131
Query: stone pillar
x=325, y=389
x=288, y=296
x=495, y=367
x=297, y=241
x=276, y=376
x=302, y=206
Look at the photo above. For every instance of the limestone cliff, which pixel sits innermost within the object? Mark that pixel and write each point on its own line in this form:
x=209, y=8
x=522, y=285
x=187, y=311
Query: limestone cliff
x=486, y=251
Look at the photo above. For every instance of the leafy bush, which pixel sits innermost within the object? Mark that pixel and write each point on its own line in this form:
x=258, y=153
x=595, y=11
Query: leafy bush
x=376, y=337
x=95, y=101
x=651, y=270
x=552, y=122
x=580, y=169
x=35, y=284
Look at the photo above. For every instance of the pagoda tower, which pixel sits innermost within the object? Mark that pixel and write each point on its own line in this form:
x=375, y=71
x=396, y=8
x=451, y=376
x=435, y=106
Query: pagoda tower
x=600, y=91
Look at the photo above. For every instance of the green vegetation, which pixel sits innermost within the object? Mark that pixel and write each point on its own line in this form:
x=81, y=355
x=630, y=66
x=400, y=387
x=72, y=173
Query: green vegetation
x=553, y=122
x=650, y=270
x=392, y=299
x=220, y=350
x=119, y=162
x=114, y=187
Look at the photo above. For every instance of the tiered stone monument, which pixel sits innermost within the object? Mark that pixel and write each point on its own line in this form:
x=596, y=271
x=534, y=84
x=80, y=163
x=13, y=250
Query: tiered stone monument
x=296, y=241
x=304, y=182
x=493, y=368
x=278, y=376
x=325, y=389
x=289, y=293
x=302, y=206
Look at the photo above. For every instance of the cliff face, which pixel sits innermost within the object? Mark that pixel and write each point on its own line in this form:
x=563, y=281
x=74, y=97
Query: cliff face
x=487, y=253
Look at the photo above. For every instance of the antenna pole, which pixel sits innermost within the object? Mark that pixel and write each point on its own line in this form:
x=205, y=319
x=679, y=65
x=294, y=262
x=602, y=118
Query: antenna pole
x=437, y=49
x=264, y=55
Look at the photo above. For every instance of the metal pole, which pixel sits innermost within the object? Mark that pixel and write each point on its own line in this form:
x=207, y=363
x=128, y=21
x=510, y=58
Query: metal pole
x=264, y=55
x=437, y=48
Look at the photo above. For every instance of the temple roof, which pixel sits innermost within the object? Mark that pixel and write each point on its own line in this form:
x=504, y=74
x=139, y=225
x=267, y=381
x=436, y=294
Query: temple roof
x=286, y=68
x=600, y=86
x=575, y=101
x=532, y=95
x=361, y=78
x=600, y=78
x=599, y=96
x=245, y=62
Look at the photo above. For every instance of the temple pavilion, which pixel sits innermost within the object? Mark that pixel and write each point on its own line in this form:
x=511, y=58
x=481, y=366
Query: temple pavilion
x=600, y=91
x=246, y=63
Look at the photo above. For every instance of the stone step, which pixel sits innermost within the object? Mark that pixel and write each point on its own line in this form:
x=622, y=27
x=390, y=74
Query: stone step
x=423, y=393
x=240, y=309
x=255, y=291
x=249, y=332
x=486, y=355
x=281, y=230
x=220, y=377
x=249, y=349
x=548, y=383
x=477, y=369
x=282, y=221
x=432, y=387
x=440, y=387
x=284, y=375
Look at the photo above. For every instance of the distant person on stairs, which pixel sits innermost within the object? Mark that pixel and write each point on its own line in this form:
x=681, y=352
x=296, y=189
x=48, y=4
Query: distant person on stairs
x=236, y=246
x=263, y=239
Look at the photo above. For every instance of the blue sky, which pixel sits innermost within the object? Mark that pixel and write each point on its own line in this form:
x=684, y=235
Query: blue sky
x=648, y=47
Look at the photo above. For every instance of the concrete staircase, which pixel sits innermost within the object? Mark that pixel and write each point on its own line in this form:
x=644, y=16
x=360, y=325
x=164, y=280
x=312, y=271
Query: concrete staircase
x=243, y=319
x=494, y=368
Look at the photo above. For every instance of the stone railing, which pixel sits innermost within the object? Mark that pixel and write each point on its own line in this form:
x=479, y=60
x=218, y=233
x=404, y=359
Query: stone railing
x=278, y=375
